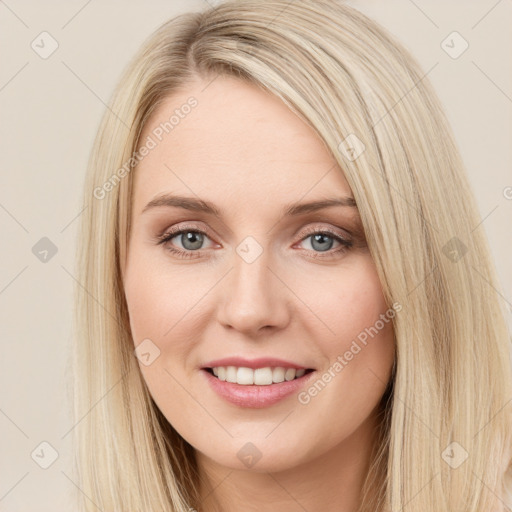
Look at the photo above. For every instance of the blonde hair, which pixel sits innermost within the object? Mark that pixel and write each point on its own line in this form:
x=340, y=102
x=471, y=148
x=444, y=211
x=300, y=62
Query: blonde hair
x=345, y=77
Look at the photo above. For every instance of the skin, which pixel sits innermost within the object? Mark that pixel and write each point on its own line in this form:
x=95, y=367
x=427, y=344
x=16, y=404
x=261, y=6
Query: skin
x=245, y=151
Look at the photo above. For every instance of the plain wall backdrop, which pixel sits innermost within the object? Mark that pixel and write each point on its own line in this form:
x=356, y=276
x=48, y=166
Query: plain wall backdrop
x=51, y=108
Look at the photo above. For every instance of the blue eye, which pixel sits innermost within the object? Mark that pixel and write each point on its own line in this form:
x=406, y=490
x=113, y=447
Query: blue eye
x=193, y=239
x=322, y=240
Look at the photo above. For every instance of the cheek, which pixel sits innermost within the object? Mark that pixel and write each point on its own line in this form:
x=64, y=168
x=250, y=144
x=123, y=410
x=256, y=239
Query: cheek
x=359, y=349
x=157, y=313
x=352, y=303
x=359, y=344
x=156, y=297
x=165, y=306
x=146, y=306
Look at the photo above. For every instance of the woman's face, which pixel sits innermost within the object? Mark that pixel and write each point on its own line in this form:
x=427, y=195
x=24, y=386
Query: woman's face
x=246, y=279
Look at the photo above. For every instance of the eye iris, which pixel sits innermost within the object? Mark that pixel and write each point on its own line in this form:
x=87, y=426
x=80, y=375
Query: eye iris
x=193, y=240
x=321, y=237
x=192, y=236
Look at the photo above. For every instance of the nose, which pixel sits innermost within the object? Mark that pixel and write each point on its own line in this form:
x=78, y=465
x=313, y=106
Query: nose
x=254, y=297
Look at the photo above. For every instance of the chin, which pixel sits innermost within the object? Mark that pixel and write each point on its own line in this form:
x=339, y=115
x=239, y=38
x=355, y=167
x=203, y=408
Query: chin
x=257, y=457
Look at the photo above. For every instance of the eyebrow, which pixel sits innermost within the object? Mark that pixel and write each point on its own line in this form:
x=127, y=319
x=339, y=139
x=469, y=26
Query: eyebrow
x=199, y=205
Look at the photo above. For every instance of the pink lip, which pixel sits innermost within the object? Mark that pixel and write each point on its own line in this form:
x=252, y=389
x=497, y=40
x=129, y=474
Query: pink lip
x=253, y=396
x=261, y=362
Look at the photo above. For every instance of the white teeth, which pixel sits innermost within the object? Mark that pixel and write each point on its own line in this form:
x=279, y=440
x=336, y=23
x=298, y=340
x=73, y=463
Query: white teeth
x=290, y=374
x=231, y=374
x=244, y=376
x=278, y=375
x=263, y=376
x=259, y=376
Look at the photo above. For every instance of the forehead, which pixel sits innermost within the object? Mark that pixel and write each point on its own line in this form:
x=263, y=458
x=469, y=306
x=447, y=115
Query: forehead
x=237, y=140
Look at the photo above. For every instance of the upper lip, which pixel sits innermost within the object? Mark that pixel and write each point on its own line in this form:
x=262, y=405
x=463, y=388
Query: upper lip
x=261, y=362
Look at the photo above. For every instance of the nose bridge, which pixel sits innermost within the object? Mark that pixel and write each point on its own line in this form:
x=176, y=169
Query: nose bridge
x=253, y=296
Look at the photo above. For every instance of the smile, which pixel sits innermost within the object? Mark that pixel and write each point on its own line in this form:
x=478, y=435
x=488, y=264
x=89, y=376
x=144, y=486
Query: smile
x=242, y=388
x=258, y=376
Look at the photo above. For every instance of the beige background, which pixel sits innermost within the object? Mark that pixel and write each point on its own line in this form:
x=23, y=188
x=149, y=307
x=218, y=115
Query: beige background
x=50, y=111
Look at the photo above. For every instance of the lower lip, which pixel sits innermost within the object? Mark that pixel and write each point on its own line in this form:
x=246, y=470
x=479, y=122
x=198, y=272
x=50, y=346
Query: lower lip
x=253, y=396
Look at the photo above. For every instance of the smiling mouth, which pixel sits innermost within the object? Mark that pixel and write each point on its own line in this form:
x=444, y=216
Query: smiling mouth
x=260, y=376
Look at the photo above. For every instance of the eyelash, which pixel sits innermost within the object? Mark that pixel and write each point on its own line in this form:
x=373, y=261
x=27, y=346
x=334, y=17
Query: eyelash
x=169, y=235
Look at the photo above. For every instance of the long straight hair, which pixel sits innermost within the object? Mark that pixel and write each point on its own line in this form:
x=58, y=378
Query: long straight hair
x=445, y=439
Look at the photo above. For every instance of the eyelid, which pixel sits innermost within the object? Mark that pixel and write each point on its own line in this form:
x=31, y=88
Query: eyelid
x=345, y=243
x=180, y=226
x=315, y=228
x=308, y=230
x=175, y=230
